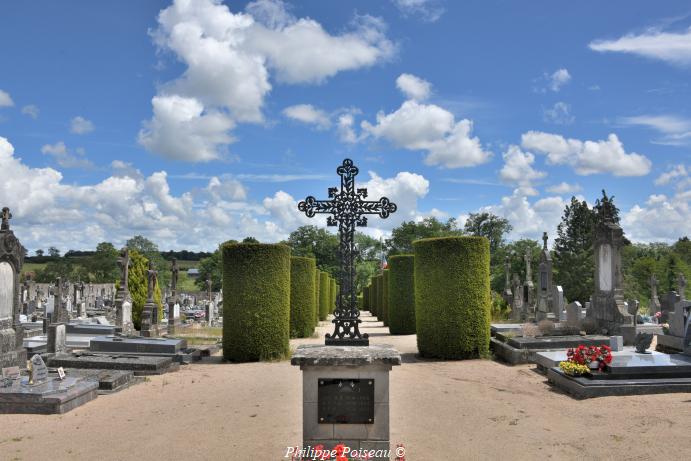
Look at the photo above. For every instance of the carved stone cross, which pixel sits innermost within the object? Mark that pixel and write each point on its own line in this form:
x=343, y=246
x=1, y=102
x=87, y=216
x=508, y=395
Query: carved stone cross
x=6, y=216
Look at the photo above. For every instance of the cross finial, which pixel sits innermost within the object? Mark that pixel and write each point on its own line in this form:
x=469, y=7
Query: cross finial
x=544, y=239
x=6, y=216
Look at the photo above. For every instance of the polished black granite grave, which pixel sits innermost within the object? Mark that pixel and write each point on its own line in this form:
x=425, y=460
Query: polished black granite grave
x=137, y=345
x=50, y=397
x=92, y=329
x=141, y=365
x=519, y=349
x=630, y=374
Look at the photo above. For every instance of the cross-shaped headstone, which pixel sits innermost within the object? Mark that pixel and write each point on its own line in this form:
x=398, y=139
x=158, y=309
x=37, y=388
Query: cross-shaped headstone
x=544, y=240
x=347, y=208
x=151, y=276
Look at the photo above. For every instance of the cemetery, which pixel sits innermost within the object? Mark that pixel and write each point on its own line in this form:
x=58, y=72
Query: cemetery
x=269, y=229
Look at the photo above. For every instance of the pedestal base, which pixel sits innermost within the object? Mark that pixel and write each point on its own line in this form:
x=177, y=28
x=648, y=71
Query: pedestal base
x=345, y=396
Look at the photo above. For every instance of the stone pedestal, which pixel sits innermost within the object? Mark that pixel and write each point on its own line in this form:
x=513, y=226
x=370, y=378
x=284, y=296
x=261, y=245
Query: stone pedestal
x=345, y=396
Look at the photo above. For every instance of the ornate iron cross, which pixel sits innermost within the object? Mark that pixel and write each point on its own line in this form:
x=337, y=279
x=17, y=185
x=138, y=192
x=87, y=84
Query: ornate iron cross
x=347, y=208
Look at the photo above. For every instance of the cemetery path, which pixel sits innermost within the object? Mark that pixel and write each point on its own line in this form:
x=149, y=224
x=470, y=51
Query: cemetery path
x=476, y=409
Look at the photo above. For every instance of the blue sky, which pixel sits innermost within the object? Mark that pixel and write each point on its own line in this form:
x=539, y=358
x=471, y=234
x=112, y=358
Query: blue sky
x=195, y=122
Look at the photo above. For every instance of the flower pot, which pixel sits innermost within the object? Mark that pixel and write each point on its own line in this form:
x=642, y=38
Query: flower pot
x=595, y=365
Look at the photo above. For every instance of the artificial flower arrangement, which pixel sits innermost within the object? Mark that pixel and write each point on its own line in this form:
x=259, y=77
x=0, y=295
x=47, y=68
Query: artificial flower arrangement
x=573, y=368
x=581, y=359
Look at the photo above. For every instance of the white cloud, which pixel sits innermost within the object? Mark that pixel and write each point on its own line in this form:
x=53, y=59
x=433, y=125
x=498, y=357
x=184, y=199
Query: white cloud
x=553, y=81
x=346, y=131
x=660, y=218
x=31, y=110
x=228, y=58
x=414, y=87
x=676, y=130
x=80, y=125
x=677, y=175
x=428, y=127
x=587, y=157
x=518, y=168
x=559, y=114
x=671, y=47
x=529, y=220
x=5, y=99
x=66, y=158
x=307, y=113
x=426, y=10
x=564, y=188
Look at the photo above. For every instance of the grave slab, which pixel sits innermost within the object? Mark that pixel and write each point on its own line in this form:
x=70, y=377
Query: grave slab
x=140, y=365
x=50, y=397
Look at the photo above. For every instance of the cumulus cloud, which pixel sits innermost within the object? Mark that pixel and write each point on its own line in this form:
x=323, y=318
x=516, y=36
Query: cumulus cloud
x=518, y=168
x=671, y=47
x=559, y=114
x=80, y=125
x=676, y=130
x=414, y=87
x=659, y=218
x=67, y=158
x=5, y=99
x=229, y=58
x=307, y=113
x=564, y=188
x=430, y=128
x=677, y=175
x=552, y=82
x=31, y=110
x=426, y=10
x=587, y=157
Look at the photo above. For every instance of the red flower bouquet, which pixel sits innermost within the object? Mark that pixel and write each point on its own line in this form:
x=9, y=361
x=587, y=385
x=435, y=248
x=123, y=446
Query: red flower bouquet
x=584, y=355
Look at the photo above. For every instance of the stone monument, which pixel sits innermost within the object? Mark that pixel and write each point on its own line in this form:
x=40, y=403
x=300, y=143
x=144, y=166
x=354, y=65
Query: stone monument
x=172, y=301
x=123, y=301
x=545, y=301
x=528, y=288
x=655, y=306
x=608, y=308
x=508, y=294
x=345, y=383
x=517, y=306
x=149, y=326
x=12, y=353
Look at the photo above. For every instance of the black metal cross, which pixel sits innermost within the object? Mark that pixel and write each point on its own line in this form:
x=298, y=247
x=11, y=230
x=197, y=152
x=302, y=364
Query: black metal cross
x=347, y=208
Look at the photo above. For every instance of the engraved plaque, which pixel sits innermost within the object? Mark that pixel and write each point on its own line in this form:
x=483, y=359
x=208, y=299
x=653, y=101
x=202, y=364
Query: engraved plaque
x=346, y=401
x=605, y=275
x=6, y=290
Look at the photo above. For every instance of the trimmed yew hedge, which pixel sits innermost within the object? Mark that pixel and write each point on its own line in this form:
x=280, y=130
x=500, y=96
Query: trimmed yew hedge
x=401, y=295
x=332, y=292
x=256, y=305
x=380, y=297
x=385, y=297
x=301, y=296
x=324, y=295
x=365, y=299
x=317, y=273
x=452, y=297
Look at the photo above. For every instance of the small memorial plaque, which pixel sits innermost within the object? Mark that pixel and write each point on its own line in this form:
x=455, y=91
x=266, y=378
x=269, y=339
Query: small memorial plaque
x=10, y=372
x=346, y=401
x=61, y=373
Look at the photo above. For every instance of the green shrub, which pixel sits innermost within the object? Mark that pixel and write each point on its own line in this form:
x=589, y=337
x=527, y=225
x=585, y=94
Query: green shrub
x=380, y=297
x=365, y=299
x=373, y=296
x=385, y=297
x=401, y=295
x=256, y=304
x=317, y=277
x=324, y=294
x=302, y=296
x=138, y=286
x=452, y=297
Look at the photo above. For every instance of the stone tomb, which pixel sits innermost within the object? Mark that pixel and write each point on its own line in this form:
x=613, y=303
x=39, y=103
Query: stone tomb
x=135, y=345
x=345, y=395
x=518, y=349
x=40, y=393
x=11, y=259
x=139, y=365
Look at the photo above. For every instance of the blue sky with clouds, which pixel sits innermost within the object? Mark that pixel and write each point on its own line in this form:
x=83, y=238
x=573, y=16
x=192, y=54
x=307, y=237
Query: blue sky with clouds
x=193, y=122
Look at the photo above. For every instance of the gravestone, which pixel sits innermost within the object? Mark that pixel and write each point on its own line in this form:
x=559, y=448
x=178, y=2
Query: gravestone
x=528, y=288
x=149, y=323
x=559, y=303
x=574, y=314
x=517, y=305
x=11, y=331
x=173, y=306
x=545, y=302
x=123, y=303
x=654, y=300
x=38, y=371
x=57, y=337
x=608, y=307
x=508, y=293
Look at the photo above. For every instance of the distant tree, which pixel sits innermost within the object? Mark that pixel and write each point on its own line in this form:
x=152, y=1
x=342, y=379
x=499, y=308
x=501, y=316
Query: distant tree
x=60, y=267
x=516, y=252
x=210, y=269
x=103, y=263
x=682, y=247
x=315, y=242
x=149, y=249
x=250, y=240
x=53, y=252
x=39, y=253
x=488, y=225
x=403, y=236
x=573, y=251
